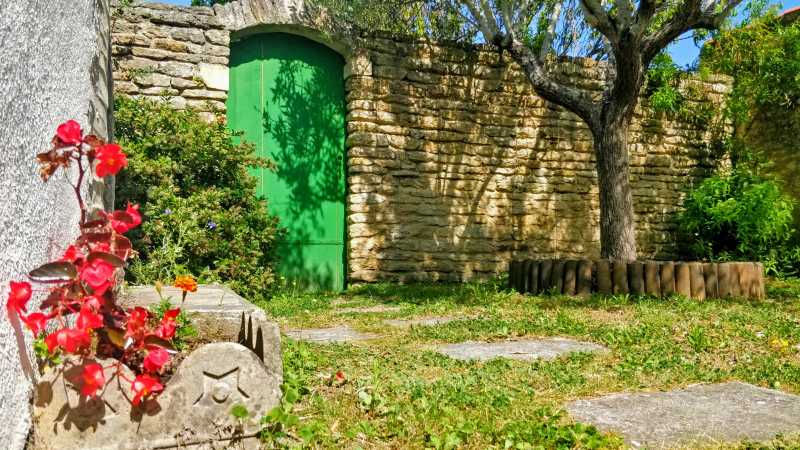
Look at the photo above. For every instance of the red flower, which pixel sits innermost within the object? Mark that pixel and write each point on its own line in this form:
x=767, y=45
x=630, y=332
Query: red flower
x=93, y=379
x=133, y=211
x=19, y=296
x=97, y=275
x=95, y=302
x=70, y=133
x=68, y=339
x=72, y=254
x=137, y=319
x=110, y=160
x=142, y=386
x=88, y=319
x=155, y=360
x=124, y=221
x=166, y=330
x=36, y=322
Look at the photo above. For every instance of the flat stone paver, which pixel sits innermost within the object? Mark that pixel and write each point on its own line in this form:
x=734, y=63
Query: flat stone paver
x=422, y=322
x=369, y=309
x=523, y=350
x=329, y=335
x=699, y=414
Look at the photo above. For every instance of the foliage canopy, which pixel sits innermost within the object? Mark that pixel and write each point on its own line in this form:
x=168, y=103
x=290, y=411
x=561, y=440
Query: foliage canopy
x=192, y=181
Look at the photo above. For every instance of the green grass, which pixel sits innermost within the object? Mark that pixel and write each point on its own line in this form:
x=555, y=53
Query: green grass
x=398, y=393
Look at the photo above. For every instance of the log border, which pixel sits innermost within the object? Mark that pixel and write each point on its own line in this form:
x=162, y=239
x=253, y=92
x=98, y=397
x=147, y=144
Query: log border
x=697, y=280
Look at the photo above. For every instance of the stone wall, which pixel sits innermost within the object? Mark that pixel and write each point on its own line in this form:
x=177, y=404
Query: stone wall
x=454, y=164
x=55, y=67
x=163, y=50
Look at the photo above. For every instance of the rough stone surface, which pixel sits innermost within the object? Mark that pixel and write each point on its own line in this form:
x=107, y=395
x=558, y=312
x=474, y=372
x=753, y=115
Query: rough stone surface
x=55, y=67
x=700, y=414
x=182, y=50
x=335, y=335
x=523, y=350
x=211, y=303
x=195, y=406
x=454, y=164
x=421, y=322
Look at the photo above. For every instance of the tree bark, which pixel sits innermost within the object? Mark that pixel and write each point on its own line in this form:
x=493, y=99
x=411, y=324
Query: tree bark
x=617, y=225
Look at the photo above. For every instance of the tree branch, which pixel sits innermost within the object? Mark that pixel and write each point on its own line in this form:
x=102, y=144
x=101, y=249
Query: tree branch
x=598, y=18
x=690, y=16
x=575, y=100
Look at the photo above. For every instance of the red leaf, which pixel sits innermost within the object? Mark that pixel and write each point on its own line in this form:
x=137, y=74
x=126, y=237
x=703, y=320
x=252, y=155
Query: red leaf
x=54, y=272
x=114, y=260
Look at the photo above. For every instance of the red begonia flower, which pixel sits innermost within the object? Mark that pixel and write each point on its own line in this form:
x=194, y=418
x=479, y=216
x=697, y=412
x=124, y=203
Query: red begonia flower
x=88, y=319
x=72, y=254
x=155, y=360
x=136, y=216
x=70, y=133
x=68, y=339
x=124, y=221
x=166, y=329
x=95, y=302
x=19, y=296
x=98, y=275
x=93, y=379
x=36, y=322
x=137, y=319
x=142, y=386
x=110, y=160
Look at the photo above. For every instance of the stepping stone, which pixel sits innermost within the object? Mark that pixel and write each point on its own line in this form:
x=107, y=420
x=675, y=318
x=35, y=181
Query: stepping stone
x=333, y=335
x=424, y=322
x=523, y=350
x=369, y=309
x=699, y=414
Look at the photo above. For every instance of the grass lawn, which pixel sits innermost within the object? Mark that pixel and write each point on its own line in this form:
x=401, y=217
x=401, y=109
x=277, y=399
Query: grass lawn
x=398, y=393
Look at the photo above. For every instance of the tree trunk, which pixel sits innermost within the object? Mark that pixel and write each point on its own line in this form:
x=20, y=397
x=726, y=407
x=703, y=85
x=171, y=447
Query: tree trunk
x=617, y=225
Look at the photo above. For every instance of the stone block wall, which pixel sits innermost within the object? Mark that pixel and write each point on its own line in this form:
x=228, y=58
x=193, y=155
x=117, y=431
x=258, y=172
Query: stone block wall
x=55, y=67
x=454, y=163
x=170, y=51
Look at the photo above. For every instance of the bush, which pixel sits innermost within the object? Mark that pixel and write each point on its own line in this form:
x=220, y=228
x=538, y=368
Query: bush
x=203, y=215
x=740, y=214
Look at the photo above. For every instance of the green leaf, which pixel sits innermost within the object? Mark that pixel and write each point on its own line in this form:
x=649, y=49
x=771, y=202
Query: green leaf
x=240, y=412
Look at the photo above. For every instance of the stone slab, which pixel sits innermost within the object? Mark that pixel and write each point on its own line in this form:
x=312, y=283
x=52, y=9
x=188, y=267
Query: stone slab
x=698, y=414
x=421, y=322
x=209, y=299
x=207, y=306
x=523, y=350
x=334, y=335
x=194, y=410
x=377, y=309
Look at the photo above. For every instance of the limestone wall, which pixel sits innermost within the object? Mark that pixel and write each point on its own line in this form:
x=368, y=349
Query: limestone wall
x=164, y=50
x=55, y=67
x=454, y=164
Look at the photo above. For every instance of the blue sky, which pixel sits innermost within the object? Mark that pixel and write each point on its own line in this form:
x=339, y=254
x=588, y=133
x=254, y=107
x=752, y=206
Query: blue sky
x=684, y=52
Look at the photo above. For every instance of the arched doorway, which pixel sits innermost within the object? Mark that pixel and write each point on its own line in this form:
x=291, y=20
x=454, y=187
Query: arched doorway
x=287, y=96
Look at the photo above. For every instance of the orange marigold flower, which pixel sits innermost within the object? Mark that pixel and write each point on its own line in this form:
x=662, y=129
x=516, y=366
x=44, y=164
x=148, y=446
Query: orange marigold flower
x=186, y=283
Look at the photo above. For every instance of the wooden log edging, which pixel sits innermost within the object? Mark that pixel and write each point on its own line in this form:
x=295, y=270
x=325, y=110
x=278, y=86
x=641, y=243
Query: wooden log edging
x=656, y=278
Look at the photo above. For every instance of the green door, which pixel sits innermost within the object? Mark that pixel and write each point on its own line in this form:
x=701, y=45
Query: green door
x=287, y=96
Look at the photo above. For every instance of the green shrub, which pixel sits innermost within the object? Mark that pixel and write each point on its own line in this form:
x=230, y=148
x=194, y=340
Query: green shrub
x=202, y=215
x=739, y=214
